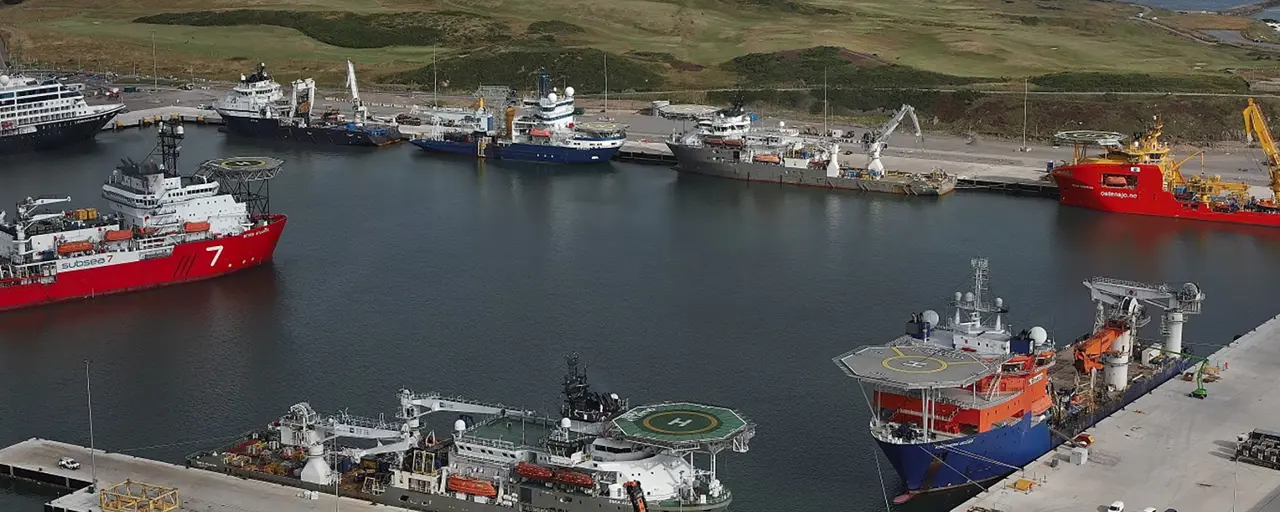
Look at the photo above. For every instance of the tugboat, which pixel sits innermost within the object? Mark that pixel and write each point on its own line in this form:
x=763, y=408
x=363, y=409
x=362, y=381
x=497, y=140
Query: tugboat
x=257, y=107
x=548, y=135
x=166, y=229
x=40, y=114
x=972, y=400
x=600, y=454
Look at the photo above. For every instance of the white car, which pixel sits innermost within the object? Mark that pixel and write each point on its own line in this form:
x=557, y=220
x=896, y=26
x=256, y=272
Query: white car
x=1116, y=507
x=68, y=463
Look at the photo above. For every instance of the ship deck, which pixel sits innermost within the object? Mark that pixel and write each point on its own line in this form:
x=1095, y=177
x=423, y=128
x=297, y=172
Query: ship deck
x=36, y=459
x=530, y=432
x=1167, y=450
x=905, y=364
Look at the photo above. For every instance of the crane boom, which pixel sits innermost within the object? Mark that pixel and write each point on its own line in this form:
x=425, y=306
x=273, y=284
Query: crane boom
x=881, y=137
x=1255, y=124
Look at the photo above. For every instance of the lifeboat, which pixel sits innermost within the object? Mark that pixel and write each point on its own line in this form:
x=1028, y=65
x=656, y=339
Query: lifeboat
x=195, y=227
x=117, y=235
x=534, y=471
x=768, y=159
x=74, y=247
x=1115, y=181
x=148, y=231
x=574, y=478
x=471, y=486
x=717, y=141
x=539, y=133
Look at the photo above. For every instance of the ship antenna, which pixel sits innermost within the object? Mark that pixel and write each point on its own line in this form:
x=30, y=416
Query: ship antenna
x=93, y=458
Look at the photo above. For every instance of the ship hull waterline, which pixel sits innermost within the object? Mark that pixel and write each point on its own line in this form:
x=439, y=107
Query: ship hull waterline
x=943, y=465
x=189, y=262
x=55, y=135
x=539, y=153
x=701, y=161
x=1083, y=186
x=326, y=135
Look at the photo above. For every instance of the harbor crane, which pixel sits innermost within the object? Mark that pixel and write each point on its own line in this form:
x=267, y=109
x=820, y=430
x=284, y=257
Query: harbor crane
x=357, y=106
x=876, y=141
x=1120, y=313
x=1255, y=126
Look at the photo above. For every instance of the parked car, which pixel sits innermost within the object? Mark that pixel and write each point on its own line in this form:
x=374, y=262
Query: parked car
x=68, y=463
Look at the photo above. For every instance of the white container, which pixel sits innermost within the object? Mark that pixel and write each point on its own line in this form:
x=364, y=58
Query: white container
x=1079, y=456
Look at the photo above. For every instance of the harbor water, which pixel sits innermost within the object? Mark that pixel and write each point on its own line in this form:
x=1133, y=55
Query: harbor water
x=401, y=269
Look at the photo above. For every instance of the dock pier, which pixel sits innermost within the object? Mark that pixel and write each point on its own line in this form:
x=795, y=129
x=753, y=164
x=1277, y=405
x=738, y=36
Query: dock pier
x=1165, y=450
x=36, y=460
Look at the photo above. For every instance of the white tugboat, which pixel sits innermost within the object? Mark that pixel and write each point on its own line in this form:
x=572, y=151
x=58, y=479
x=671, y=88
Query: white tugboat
x=600, y=454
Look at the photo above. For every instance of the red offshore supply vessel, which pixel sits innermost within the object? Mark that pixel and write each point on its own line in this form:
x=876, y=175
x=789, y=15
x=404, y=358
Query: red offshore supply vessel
x=1141, y=177
x=165, y=229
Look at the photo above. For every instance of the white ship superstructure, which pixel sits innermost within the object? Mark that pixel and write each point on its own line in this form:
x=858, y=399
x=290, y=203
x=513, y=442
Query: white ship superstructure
x=45, y=113
x=597, y=455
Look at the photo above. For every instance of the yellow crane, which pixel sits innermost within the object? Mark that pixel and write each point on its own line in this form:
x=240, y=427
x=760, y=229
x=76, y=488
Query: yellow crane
x=1255, y=125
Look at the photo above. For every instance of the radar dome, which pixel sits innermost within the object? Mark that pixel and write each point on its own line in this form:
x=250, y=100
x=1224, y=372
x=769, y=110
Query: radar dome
x=4, y=79
x=959, y=296
x=999, y=302
x=1187, y=288
x=179, y=130
x=930, y=317
x=1039, y=335
x=551, y=96
x=568, y=91
x=613, y=396
x=459, y=425
x=968, y=296
x=782, y=124
x=565, y=423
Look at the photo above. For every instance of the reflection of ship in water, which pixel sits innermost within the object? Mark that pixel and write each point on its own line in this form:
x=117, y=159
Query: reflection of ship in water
x=1145, y=237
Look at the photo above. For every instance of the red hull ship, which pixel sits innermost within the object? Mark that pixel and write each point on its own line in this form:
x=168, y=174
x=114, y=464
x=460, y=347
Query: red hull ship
x=165, y=229
x=1141, y=177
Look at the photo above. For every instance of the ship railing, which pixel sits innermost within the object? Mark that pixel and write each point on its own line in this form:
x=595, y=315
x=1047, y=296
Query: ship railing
x=363, y=422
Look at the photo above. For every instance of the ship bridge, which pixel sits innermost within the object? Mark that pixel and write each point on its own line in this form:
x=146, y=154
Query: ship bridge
x=905, y=364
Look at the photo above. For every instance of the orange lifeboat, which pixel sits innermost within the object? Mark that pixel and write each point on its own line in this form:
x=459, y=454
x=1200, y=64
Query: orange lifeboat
x=471, y=486
x=117, y=235
x=718, y=141
x=574, y=478
x=1115, y=181
x=195, y=227
x=539, y=133
x=534, y=471
x=768, y=159
x=148, y=231
x=74, y=247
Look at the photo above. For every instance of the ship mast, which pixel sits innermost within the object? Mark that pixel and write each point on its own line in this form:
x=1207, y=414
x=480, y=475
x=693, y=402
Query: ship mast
x=171, y=135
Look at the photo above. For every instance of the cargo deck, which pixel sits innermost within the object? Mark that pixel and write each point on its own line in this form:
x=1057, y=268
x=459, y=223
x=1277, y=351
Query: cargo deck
x=1166, y=450
x=36, y=460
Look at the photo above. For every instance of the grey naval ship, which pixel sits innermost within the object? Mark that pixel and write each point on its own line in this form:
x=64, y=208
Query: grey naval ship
x=725, y=145
x=599, y=455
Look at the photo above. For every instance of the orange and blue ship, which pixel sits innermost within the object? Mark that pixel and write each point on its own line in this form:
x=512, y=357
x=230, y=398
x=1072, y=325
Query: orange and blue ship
x=967, y=400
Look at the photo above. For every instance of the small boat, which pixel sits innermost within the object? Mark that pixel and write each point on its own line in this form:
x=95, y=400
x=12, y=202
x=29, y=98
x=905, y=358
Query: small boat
x=195, y=227
x=116, y=235
x=74, y=247
x=472, y=486
x=534, y=471
x=574, y=478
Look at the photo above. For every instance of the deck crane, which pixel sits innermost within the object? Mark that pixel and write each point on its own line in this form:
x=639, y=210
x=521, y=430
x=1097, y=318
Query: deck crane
x=1120, y=306
x=357, y=106
x=1255, y=124
x=876, y=141
x=305, y=428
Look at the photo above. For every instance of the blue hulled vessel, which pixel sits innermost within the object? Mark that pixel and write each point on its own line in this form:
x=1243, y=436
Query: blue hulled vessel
x=547, y=134
x=969, y=400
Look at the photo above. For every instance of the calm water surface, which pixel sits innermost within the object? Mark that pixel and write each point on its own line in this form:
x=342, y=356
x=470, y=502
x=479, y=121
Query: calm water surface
x=402, y=270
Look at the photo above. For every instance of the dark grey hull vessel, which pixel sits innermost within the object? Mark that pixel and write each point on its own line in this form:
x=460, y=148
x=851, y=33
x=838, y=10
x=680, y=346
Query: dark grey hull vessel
x=729, y=162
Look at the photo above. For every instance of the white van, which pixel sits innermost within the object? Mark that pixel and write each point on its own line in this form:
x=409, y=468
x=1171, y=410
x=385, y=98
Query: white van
x=1116, y=507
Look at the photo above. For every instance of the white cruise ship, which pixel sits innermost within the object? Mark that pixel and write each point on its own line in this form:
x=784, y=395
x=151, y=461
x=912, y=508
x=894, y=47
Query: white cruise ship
x=45, y=114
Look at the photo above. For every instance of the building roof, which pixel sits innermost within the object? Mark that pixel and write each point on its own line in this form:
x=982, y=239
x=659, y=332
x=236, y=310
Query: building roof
x=914, y=366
